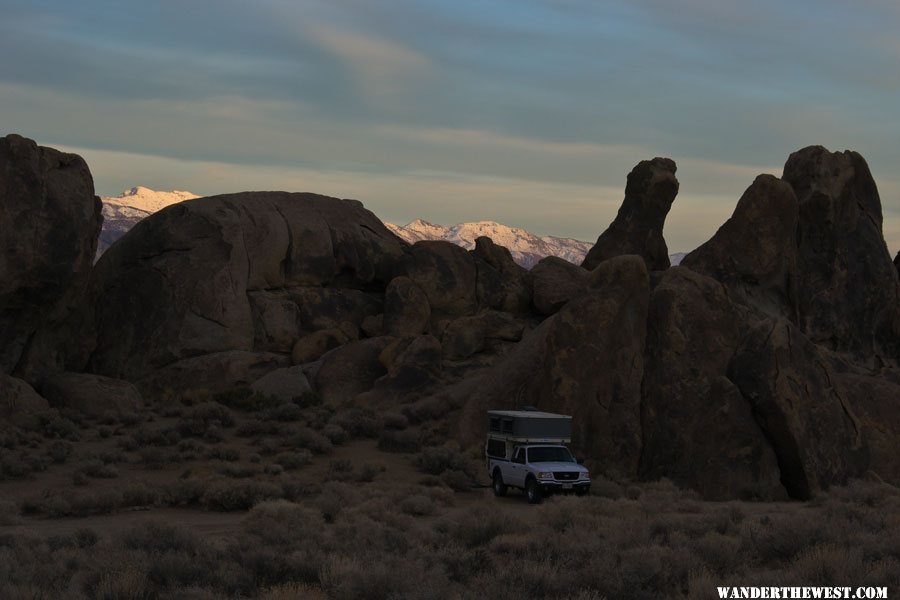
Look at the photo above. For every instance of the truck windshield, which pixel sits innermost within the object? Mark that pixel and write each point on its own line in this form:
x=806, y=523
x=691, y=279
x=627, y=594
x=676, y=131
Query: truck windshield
x=550, y=454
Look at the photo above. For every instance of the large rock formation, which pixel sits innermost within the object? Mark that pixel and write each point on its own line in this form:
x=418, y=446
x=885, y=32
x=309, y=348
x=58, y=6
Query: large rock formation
x=849, y=296
x=637, y=229
x=755, y=252
x=49, y=222
x=764, y=367
x=587, y=361
x=554, y=282
x=698, y=430
x=810, y=424
x=219, y=275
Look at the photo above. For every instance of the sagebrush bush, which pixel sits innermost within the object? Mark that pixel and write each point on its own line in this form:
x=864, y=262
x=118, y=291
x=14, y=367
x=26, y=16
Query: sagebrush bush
x=238, y=495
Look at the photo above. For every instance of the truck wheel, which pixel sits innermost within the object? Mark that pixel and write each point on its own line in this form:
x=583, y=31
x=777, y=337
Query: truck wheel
x=532, y=491
x=498, y=485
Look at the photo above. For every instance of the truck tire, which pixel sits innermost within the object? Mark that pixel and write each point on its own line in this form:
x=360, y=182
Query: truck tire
x=533, y=491
x=498, y=485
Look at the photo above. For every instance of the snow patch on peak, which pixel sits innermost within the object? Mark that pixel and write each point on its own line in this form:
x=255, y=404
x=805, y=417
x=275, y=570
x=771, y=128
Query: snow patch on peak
x=526, y=248
x=148, y=200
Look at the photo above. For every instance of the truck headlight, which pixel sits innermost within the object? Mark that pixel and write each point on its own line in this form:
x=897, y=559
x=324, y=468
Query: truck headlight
x=584, y=475
x=545, y=475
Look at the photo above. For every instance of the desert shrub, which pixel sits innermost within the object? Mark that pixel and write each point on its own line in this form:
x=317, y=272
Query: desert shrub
x=224, y=453
x=427, y=409
x=238, y=471
x=52, y=424
x=238, y=495
x=13, y=466
x=392, y=440
x=256, y=427
x=383, y=577
x=130, y=418
x=285, y=412
x=9, y=513
x=143, y=437
x=394, y=420
x=417, y=505
x=97, y=469
x=477, y=528
x=294, y=459
x=185, y=492
x=254, y=458
x=59, y=451
x=273, y=469
x=311, y=440
x=368, y=472
x=139, y=494
x=245, y=399
x=358, y=422
x=10, y=437
x=104, y=431
x=435, y=461
x=457, y=480
x=335, y=434
x=292, y=591
x=156, y=537
x=342, y=465
x=156, y=458
x=308, y=399
x=203, y=419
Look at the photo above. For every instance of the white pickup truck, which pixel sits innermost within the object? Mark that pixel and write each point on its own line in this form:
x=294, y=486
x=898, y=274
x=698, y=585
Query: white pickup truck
x=526, y=450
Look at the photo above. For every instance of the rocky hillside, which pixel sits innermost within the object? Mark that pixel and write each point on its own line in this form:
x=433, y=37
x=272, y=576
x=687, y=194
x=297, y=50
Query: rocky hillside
x=764, y=366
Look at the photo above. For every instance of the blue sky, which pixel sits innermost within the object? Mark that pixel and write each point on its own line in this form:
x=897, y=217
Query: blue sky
x=528, y=112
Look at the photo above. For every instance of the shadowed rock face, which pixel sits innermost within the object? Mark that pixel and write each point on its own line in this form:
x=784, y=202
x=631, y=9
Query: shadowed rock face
x=692, y=414
x=637, y=229
x=754, y=254
x=49, y=222
x=849, y=296
x=811, y=425
x=179, y=284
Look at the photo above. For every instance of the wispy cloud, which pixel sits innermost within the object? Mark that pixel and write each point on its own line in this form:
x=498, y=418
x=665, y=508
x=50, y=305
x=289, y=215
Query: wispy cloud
x=383, y=68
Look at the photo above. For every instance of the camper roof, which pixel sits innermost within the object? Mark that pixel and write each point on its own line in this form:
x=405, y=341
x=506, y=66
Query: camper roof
x=527, y=414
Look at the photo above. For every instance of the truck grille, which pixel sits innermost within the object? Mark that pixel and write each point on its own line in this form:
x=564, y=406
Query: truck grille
x=567, y=476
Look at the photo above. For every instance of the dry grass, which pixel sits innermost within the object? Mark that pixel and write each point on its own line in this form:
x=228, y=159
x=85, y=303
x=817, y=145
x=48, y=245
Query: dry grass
x=311, y=519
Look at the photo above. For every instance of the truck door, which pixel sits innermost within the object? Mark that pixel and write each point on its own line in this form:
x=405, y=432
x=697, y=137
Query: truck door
x=517, y=468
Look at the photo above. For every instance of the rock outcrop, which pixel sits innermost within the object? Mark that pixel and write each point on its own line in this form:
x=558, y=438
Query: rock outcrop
x=587, y=361
x=555, y=282
x=218, y=275
x=754, y=254
x=91, y=394
x=406, y=308
x=638, y=227
x=49, y=222
x=811, y=426
x=764, y=367
x=18, y=400
x=849, y=294
x=692, y=414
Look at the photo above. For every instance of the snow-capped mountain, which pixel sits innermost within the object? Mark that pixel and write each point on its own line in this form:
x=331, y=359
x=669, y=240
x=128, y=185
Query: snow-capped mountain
x=526, y=248
x=120, y=213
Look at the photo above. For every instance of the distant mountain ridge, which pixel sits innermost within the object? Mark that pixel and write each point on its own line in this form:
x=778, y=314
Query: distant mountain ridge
x=122, y=212
x=526, y=248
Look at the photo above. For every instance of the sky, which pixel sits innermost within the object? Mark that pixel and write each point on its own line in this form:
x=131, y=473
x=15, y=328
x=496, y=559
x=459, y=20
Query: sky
x=527, y=112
